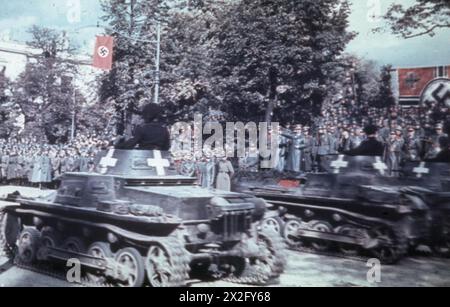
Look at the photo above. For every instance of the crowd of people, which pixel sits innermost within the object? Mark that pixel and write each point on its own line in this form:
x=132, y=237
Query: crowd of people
x=406, y=135
x=403, y=134
x=412, y=134
x=26, y=161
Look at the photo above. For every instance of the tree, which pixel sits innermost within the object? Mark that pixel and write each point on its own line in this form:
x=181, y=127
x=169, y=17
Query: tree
x=8, y=110
x=272, y=57
x=44, y=91
x=385, y=97
x=425, y=17
x=186, y=63
x=352, y=79
x=367, y=81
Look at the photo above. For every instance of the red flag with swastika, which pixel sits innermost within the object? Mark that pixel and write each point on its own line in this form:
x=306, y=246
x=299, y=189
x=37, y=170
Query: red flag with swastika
x=103, y=54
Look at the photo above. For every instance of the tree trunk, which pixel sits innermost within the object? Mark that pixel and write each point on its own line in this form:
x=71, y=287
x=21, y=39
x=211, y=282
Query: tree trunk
x=269, y=111
x=273, y=83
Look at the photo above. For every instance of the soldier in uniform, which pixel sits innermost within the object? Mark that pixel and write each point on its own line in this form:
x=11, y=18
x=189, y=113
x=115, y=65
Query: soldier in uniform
x=370, y=146
x=83, y=162
x=333, y=136
x=42, y=169
x=225, y=172
x=20, y=168
x=289, y=135
x=4, y=165
x=393, y=152
x=29, y=166
x=307, y=152
x=283, y=151
x=206, y=172
x=11, y=174
x=346, y=142
x=413, y=146
x=434, y=144
x=298, y=145
x=322, y=149
x=152, y=135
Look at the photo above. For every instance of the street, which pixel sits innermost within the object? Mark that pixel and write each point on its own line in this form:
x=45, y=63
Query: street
x=303, y=270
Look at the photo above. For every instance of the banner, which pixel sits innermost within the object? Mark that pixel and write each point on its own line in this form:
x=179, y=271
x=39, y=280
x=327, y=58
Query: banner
x=103, y=55
x=414, y=81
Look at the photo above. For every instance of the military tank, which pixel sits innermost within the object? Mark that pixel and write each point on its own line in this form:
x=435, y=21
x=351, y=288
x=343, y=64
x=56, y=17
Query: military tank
x=357, y=209
x=430, y=181
x=137, y=222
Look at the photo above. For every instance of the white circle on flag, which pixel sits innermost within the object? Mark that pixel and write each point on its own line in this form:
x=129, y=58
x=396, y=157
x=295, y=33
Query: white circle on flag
x=103, y=51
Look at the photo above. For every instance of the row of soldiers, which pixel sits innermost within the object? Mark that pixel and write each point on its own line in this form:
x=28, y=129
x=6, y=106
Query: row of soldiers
x=41, y=166
x=301, y=151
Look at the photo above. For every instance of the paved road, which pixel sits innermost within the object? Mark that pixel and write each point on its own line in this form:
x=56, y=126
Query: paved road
x=304, y=270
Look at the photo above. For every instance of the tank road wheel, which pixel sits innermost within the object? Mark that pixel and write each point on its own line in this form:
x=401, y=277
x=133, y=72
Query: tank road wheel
x=9, y=233
x=50, y=238
x=75, y=245
x=100, y=250
x=167, y=264
x=393, y=245
x=290, y=229
x=28, y=245
x=275, y=224
x=131, y=268
x=349, y=231
x=321, y=226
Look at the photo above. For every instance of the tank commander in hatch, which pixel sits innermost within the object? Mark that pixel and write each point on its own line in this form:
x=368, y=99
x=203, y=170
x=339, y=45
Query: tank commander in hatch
x=370, y=147
x=444, y=154
x=152, y=135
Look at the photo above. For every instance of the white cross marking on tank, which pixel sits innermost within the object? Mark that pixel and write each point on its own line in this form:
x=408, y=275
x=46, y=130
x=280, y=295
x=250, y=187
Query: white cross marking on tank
x=380, y=166
x=159, y=163
x=421, y=170
x=108, y=161
x=338, y=164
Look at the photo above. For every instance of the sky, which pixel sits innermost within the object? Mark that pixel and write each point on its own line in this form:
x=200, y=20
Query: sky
x=18, y=15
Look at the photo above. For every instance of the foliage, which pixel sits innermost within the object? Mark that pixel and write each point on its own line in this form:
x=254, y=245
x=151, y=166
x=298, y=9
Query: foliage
x=45, y=89
x=425, y=17
x=385, y=97
x=247, y=58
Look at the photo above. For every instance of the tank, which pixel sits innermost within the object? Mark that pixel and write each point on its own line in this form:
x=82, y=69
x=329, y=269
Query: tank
x=430, y=182
x=356, y=208
x=137, y=222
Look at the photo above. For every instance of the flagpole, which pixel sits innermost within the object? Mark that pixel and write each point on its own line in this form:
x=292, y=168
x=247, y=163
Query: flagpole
x=158, y=59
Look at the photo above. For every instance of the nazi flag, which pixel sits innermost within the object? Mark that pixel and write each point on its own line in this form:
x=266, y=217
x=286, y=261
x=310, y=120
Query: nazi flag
x=103, y=53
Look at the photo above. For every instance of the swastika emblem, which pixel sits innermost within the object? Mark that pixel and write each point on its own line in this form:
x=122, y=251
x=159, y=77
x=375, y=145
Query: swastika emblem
x=437, y=92
x=103, y=51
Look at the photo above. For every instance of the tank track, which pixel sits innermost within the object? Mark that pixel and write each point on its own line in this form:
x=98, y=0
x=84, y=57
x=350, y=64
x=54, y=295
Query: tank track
x=279, y=247
x=49, y=271
x=5, y=249
x=181, y=262
x=180, y=256
x=401, y=249
x=254, y=275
